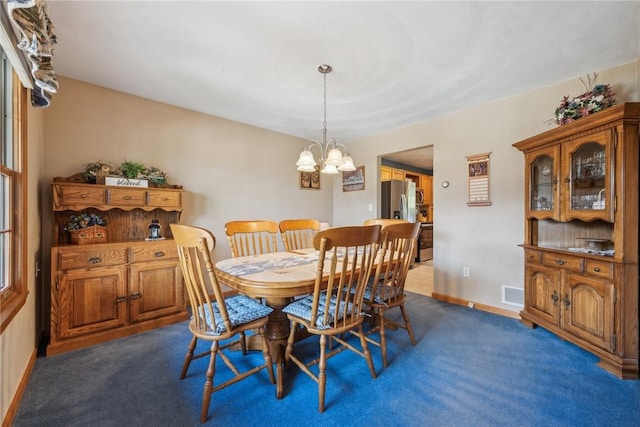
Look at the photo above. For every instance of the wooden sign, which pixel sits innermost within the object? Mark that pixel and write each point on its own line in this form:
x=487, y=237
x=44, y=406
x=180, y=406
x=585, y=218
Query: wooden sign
x=478, y=170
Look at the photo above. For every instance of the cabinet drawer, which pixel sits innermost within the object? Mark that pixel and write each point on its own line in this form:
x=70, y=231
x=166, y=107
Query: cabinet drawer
x=83, y=196
x=126, y=197
x=154, y=251
x=70, y=258
x=563, y=261
x=531, y=256
x=599, y=268
x=164, y=199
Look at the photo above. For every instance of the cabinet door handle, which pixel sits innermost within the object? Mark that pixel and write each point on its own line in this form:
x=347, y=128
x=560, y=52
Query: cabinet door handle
x=84, y=196
x=95, y=260
x=566, y=301
x=159, y=254
x=121, y=298
x=596, y=269
x=560, y=261
x=554, y=298
x=127, y=197
x=567, y=180
x=164, y=199
x=136, y=295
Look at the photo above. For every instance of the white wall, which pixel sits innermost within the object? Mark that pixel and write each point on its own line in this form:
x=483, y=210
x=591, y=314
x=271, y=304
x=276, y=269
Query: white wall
x=484, y=239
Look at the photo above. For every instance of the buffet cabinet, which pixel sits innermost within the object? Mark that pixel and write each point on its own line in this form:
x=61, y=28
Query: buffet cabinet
x=581, y=235
x=109, y=290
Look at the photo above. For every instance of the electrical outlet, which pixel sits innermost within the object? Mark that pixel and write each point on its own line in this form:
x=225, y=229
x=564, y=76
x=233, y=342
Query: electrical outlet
x=370, y=207
x=465, y=271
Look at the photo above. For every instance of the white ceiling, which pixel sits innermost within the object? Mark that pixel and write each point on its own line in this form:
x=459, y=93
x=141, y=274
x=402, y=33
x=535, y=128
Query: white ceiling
x=395, y=63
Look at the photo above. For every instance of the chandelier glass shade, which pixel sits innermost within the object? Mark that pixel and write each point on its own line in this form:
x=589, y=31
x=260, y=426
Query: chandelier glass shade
x=334, y=156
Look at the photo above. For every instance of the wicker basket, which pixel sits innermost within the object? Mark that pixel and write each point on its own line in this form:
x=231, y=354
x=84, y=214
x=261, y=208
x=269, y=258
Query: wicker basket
x=93, y=234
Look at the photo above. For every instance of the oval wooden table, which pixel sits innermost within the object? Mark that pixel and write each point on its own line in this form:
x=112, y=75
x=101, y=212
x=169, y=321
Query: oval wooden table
x=278, y=278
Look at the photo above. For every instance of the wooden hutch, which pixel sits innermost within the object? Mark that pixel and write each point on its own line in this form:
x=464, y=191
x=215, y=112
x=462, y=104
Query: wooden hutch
x=581, y=235
x=109, y=290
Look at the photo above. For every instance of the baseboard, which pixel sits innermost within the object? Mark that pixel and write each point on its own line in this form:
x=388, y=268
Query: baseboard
x=475, y=305
x=7, y=421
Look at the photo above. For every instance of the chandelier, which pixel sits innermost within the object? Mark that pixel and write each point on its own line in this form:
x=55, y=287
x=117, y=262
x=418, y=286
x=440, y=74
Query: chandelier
x=334, y=157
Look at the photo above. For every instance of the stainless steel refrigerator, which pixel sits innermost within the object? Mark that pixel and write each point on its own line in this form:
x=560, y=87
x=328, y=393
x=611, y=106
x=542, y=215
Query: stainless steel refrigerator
x=398, y=200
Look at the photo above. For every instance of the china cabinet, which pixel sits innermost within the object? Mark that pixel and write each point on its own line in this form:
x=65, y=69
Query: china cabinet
x=581, y=235
x=131, y=283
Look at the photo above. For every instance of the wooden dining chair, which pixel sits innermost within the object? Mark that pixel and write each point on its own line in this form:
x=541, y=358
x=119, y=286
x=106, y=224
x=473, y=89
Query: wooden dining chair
x=385, y=290
x=298, y=233
x=346, y=261
x=251, y=237
x=219, y=321
x=384, y=221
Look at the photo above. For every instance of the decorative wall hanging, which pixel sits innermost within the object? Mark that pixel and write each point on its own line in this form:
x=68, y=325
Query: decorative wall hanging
x=310, y=180
x=478, y=169
x=353, y=180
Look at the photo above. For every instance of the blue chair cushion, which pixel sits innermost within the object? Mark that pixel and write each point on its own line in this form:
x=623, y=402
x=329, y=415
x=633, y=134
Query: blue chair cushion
x=383, y=294
x=302, y=309
x=240, y=308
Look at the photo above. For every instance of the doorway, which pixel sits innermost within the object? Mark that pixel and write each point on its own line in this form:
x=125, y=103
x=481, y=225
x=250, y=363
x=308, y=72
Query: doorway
x=416, y=162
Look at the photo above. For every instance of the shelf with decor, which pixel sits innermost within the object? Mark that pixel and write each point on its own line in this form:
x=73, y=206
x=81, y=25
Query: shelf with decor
x=123, y=282
x=581, y=234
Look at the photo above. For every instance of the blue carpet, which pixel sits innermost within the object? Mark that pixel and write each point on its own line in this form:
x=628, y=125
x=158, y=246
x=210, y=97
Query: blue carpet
x=469, y=368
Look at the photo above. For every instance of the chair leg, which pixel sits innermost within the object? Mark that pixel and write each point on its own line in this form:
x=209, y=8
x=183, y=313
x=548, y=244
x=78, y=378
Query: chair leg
x=188, y=357
x=208, y=384
x=243, y=343
x=407, y=323
x=290, y=341
x=322, y=373
x=367, y=353
x=383, y=337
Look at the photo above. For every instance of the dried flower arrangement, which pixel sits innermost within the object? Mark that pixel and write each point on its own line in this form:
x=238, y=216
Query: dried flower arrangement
x=128, y=169
x=84, y=220
x=86, y=228
x=596, y=98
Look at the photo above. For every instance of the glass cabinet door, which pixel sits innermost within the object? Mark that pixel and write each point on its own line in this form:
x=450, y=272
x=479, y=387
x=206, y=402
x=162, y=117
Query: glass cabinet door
x=542, y=197
x=543, y=184
x=588, y=183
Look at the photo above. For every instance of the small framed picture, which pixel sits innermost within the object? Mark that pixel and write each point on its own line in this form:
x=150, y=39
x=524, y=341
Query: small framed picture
x=353, y=180
x=310, y=180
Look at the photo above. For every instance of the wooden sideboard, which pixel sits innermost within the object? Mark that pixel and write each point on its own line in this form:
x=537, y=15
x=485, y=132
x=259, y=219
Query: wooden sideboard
x=109, y=290
x=581, y=235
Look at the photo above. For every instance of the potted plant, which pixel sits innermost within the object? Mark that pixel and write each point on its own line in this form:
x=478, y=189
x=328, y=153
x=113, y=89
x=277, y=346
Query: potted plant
x=86, y=228
x=131, y=170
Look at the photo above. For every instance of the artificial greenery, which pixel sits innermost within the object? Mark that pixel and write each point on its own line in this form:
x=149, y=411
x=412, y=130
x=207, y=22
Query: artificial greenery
x=130, y=169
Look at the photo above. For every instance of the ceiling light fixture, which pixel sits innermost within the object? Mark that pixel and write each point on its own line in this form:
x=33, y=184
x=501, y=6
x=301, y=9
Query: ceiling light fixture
x=334, y=157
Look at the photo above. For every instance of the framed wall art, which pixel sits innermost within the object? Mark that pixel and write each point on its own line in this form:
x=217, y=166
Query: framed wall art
x=353, y=180
x=478, y=172
x=310, y=180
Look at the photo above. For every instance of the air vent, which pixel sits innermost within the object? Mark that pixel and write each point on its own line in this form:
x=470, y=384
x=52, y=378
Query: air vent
x=512, y=296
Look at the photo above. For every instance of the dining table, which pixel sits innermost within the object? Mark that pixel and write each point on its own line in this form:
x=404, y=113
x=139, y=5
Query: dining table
x=278, y=278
